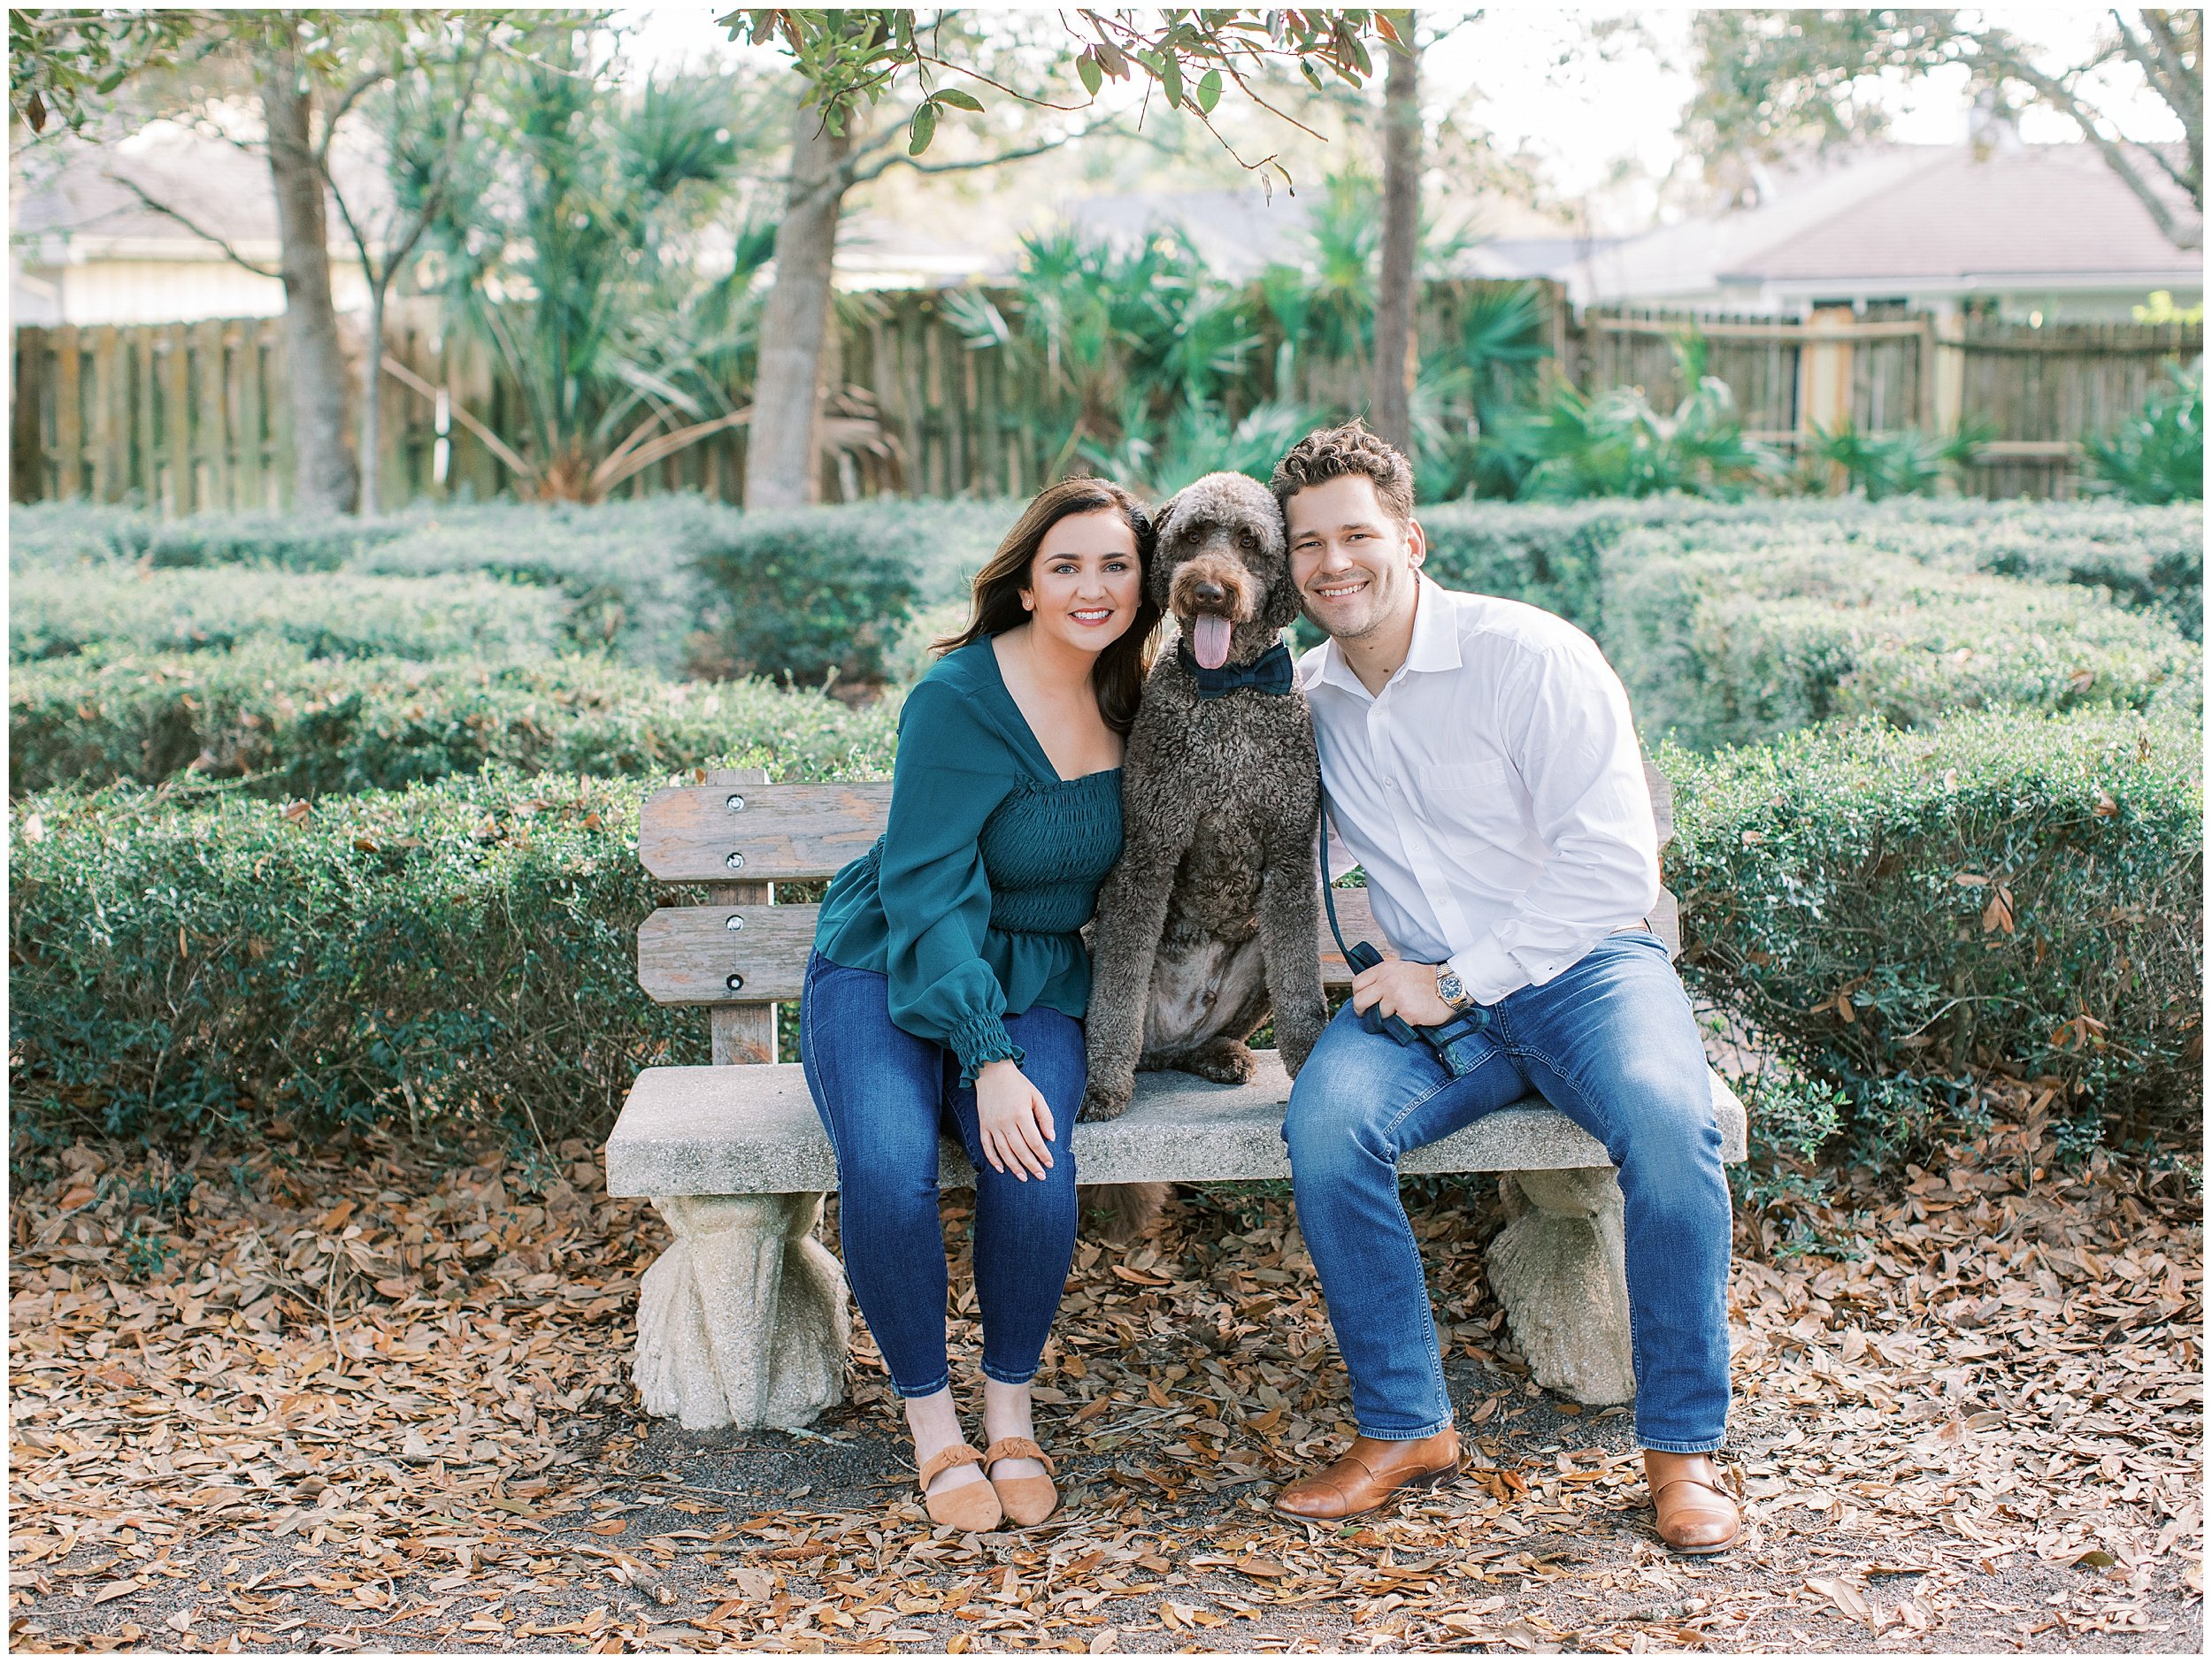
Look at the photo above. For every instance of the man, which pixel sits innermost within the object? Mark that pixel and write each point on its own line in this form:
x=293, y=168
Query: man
x=1479, y=760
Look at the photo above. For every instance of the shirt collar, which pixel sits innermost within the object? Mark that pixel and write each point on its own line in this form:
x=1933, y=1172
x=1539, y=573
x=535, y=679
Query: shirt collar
x=1435, y=644
x=1435, y=631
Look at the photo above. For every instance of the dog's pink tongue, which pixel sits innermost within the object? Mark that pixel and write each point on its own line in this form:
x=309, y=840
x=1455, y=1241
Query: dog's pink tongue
x=1209, y=639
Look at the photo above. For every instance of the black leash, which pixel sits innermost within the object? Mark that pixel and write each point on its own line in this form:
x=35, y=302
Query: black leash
x=1362, y=957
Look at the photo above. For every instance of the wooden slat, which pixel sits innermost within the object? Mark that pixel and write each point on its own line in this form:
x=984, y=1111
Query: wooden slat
x=744, y=1032
x=1662, y=791
x=69, y=411
x=145, y=412
x=176, y=411
x=689, y=834
x=27, y=451
x=211, y=466
x=110, y=417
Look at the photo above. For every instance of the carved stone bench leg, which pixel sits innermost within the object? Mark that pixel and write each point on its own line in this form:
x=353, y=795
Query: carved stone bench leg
x=1557, y=1269
x=743, y=1321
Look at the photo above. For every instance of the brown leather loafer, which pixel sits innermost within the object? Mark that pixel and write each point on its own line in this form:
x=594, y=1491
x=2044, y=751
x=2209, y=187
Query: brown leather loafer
x=1696, y=1516
x=1369, y=1474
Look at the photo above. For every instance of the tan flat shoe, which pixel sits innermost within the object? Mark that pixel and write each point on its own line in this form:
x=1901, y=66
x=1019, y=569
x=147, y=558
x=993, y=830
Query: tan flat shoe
x=1027, y=1500
x=968, y=1506
x=1695, y=1515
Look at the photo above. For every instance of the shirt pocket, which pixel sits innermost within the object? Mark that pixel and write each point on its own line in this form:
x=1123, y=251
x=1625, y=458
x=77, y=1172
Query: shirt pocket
x=1473, y=800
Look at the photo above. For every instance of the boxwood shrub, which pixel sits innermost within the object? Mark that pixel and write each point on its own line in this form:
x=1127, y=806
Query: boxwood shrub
x=463, y=953
x=293, y=726
x=1734, y=648
x=53, y=611
x=1559, y=556
x=1997, y=890
x=810, y=594
x=2148, y=559
x=674, y=584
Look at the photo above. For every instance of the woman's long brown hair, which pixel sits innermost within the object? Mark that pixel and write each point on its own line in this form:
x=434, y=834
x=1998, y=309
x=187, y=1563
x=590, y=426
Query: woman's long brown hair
x=1118, y=675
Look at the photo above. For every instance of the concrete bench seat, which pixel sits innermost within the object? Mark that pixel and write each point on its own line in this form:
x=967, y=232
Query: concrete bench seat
x=704, y=1131
x=744, y=1320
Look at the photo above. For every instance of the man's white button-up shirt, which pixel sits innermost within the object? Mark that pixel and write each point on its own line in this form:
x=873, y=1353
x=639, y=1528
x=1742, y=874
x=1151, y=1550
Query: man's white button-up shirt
x=1494, y=790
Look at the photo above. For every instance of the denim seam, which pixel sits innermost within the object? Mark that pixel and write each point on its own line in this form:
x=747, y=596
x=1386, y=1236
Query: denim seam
x=1436, y=1362
x=1408, y=1437
x=944, y=1381
x=1003, y=1380
x=1635, y=1344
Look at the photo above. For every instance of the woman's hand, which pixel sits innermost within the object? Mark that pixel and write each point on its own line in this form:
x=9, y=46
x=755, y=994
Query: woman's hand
x=1016, y=1121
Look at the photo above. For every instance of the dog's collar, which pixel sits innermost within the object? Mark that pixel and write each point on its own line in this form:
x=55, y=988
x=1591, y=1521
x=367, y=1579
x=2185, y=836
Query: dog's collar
x=1271, y=671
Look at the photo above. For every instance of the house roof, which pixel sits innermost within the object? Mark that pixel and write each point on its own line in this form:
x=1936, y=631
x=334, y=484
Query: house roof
x=82, y=192
x=2030, y=211
x=1940, y=216
x=1237, y=232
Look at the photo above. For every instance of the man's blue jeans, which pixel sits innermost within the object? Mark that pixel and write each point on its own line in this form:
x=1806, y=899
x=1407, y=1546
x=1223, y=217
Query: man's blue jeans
x=1612, y=1045
x=882, y=1094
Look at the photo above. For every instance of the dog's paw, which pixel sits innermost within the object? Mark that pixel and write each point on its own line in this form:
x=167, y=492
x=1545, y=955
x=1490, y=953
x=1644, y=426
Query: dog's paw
x=1295, y=1041
x=1102, y=1101
x=1224, y=1061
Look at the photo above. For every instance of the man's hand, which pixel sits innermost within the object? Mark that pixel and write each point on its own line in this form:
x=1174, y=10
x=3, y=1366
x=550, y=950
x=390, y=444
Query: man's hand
x=1402, y=988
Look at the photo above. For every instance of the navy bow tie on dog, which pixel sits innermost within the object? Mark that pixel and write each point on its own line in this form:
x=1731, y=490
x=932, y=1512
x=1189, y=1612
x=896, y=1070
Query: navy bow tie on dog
x=1270, y=672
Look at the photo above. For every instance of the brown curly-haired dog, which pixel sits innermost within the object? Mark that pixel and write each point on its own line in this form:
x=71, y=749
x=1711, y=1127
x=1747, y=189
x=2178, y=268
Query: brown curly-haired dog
x=1208, y=921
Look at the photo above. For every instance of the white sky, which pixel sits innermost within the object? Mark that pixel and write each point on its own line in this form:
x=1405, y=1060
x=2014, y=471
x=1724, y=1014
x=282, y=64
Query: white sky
x=1543, y=85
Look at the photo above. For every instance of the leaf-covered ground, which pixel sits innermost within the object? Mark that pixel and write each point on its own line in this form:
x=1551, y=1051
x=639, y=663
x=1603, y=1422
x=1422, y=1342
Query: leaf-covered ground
x=357, y=1400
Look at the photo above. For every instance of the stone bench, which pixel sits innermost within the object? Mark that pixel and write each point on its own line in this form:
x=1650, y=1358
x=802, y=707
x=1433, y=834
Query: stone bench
x=744, y=1319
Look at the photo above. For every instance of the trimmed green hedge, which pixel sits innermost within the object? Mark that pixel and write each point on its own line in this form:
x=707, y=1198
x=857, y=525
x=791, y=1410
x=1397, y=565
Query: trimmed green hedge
x=299, y=727
x=2146, y=559
x=456, y=953
x=1560, y=557
x=673, y=583
x=52, y=612
x=2000, y=890
x=1997, y=890
x=1736, y=649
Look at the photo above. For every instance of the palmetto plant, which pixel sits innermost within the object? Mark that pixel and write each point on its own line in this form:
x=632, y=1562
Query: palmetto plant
x=1472, y=403
x=575, y=263
x=1904, y=461
x=2158, y=454
x=1613, y=443
x=1106, y=343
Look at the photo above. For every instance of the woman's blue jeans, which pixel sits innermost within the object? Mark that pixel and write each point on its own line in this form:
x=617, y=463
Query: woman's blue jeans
x=883, y=1096
x=1612, y=1045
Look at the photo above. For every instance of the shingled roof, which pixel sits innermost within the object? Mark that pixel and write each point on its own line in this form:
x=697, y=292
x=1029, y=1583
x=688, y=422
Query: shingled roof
x=1955, y=218
x=2034, y=211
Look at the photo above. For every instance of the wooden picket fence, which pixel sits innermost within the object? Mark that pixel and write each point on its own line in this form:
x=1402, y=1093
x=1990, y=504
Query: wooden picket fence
x=185, y=417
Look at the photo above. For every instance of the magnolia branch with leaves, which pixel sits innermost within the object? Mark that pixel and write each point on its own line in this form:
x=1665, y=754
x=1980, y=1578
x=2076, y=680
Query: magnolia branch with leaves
x=852, y=58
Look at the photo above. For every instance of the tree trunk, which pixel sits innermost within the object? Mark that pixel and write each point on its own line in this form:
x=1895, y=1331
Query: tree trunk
x=783, y=452
x=1396, y=354
x=324, y=481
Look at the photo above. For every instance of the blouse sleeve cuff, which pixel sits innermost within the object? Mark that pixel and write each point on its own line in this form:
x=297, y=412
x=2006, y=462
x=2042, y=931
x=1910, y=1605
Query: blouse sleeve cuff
x=979, y=1040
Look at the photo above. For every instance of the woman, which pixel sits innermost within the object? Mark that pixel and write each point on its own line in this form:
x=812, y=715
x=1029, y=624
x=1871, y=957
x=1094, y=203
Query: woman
x=947, y=983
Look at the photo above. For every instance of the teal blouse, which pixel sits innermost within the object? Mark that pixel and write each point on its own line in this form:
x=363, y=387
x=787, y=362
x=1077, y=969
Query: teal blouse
x=971, y=900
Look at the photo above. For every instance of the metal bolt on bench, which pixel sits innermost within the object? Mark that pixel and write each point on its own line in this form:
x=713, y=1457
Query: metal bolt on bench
x=744, y=1319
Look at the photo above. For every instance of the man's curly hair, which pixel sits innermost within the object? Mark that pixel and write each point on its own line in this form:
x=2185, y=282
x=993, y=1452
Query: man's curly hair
x=1330, y=453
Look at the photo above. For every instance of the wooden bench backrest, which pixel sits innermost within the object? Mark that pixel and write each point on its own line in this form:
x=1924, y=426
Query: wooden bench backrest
x=741, y=954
